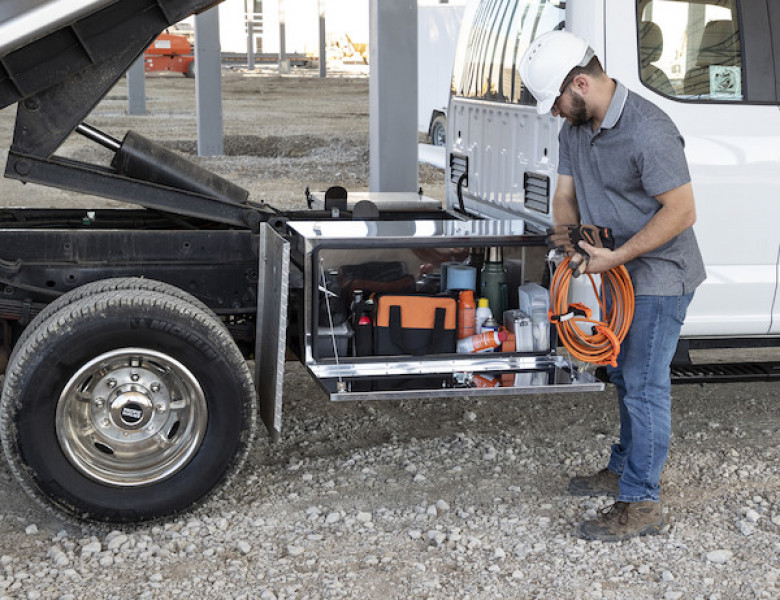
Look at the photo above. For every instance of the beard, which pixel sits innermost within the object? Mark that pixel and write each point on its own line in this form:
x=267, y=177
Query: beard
x=579, y=112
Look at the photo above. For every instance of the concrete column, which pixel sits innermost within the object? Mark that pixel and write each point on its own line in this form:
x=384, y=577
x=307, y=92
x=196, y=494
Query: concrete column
x=393, y=95
x=323, y=41
x=284, y=63
x=250, y=35
x=208, y=83
x=136, y=88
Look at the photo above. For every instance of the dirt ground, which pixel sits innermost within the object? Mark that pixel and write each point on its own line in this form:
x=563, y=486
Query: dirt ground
x=281, y=135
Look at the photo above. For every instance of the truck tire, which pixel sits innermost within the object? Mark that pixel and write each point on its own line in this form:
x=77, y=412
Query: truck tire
x=126, y=406
x=438, y=131
x=108, y=285
x=190, y=72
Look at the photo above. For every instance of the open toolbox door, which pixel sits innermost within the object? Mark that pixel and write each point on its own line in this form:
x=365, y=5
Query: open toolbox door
x=272, y=296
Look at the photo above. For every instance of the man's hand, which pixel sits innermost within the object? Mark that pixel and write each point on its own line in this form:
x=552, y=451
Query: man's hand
x=559, y=237
x=597, y=260
x=566, y=237
x=578, y=262
x=579, y=242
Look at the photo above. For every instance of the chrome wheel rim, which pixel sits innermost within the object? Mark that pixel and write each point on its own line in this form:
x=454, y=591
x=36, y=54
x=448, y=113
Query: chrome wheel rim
x=131, y=417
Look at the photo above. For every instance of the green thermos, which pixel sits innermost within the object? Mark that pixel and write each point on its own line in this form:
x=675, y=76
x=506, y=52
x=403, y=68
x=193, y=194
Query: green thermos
x=493, y=283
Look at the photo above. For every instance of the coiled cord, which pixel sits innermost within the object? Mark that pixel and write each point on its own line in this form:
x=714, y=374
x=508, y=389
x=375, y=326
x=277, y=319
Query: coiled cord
x=602, y=345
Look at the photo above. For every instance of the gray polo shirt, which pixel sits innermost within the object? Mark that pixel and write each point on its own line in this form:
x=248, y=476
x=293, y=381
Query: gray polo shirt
x=618, y=170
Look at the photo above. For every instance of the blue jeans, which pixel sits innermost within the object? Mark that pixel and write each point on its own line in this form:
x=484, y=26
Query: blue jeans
x=643, y=382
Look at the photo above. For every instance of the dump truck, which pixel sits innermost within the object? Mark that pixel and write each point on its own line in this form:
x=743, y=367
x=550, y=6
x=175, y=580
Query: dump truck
x=145, y=346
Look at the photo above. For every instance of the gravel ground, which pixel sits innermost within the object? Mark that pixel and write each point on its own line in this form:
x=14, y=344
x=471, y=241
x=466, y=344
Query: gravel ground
x=462, y=498
x=456, y=498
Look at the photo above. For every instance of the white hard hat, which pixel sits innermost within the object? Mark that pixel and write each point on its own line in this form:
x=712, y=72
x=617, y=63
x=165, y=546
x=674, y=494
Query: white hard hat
x=547, y=62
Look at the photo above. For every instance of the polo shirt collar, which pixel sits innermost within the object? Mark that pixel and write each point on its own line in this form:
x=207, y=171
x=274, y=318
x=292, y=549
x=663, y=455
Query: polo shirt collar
x=615, y=107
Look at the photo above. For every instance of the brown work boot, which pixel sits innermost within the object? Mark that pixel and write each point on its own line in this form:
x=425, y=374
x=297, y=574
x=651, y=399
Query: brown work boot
x=603, y=483
x=624, y=520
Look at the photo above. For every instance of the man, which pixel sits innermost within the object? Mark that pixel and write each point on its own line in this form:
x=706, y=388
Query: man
x=622, y=165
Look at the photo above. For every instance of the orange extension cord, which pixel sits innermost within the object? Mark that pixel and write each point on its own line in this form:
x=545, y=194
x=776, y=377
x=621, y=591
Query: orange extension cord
x=602, y=346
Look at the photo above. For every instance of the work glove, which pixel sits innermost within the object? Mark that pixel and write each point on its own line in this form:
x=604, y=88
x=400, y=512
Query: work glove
x=566, y=237
x=578, y=262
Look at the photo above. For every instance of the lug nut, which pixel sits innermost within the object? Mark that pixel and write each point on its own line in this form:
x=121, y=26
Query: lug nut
x=135, y=376
x=99, y=402
x=160, y=407
x=155, y=387
x=111, y=383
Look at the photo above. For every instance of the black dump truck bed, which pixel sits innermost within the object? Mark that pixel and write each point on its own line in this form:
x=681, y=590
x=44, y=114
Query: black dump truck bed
x=48, y=42
x=57, y=61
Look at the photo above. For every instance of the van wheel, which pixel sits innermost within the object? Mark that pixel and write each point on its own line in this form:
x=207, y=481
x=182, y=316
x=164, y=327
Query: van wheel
x=438, y=131
x=126, y=406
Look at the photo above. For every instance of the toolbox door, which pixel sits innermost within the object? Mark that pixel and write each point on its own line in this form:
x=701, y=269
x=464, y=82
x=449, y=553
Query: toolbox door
x=272, y=295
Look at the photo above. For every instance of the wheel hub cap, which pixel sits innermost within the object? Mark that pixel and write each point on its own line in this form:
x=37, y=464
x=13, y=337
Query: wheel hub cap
x=131, y=417
x=131, y=410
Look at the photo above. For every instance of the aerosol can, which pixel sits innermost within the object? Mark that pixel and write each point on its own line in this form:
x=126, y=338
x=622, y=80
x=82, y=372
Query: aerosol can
x=490, y=324
x=482, y=341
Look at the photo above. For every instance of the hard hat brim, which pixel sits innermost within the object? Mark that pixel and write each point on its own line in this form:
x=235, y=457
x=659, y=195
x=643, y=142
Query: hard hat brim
x=544, y=106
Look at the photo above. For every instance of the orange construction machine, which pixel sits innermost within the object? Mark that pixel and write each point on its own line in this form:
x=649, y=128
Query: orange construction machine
x=170, y=52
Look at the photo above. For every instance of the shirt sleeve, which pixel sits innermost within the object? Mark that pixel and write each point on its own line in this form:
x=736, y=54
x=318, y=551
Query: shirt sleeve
x=564, y=160
x=661, y=158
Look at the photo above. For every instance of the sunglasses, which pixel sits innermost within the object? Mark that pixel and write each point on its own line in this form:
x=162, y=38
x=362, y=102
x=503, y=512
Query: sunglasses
x=566, y=83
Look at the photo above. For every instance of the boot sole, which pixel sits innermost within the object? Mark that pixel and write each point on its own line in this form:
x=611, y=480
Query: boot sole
x=653, y=529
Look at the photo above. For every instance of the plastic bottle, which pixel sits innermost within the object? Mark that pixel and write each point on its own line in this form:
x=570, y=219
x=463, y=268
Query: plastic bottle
x=475, y=343
x=364, y=336
x=357, y=298
x=467, y=310
x=483, y=313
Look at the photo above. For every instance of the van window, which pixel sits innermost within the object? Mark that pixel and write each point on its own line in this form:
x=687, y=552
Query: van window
x=691, y=49
x=493, y=38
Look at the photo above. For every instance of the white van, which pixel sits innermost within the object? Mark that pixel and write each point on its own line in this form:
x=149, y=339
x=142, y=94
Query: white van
x=437, y=35
x=712, y=65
